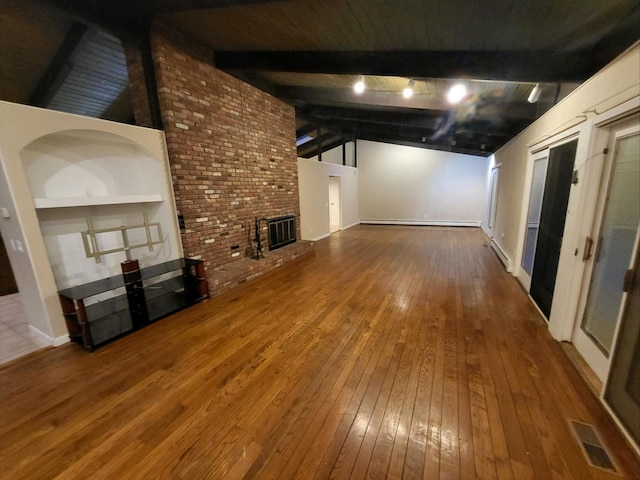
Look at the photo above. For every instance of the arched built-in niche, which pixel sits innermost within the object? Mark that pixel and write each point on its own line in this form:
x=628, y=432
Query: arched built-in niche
x=84, y=180
x=86, y=167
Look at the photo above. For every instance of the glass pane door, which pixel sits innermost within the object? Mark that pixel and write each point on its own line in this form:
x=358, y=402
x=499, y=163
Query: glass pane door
x=533, y=217
x=615, y=246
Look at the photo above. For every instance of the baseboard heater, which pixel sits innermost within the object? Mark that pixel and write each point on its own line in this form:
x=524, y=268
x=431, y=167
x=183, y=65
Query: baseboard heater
x=282, y=231
x=501, y=255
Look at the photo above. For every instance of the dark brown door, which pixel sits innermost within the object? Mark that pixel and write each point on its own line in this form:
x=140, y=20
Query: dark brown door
x=7, y=280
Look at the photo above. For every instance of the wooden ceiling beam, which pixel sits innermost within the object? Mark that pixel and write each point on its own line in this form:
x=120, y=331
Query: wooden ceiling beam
x=327, y=115
x=59, y=67
x=447, y=147
x=106, y=15
x=101, y=12
x=325, y=147
x=503, y=123
x=322, y=138
x=346, y=97
x=549, y=66
x=307, y=129
x=468, y=140
x=173, y=6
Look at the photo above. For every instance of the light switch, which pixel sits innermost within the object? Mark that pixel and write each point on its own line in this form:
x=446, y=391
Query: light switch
x=19, y=246
x=4, y=212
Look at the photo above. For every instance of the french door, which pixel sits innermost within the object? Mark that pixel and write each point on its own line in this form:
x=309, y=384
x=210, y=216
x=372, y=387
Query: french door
x=610, y=253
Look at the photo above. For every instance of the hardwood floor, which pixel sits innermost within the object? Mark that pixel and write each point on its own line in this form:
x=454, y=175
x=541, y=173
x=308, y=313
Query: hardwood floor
x=389, y=352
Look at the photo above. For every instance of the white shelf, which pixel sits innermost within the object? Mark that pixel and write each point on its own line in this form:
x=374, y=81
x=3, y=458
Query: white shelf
x=93, y=201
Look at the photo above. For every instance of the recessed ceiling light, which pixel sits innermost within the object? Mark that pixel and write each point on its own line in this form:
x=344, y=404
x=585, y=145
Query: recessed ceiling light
x=359, y=86
x=408, y=90
x=457, y=93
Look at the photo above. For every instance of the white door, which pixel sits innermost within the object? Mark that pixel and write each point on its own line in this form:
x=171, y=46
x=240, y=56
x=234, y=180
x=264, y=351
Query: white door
x=334, y=204
x=610, y=258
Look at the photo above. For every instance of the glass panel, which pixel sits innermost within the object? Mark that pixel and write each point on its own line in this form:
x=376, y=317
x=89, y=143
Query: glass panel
x=493, y=200
x=623, y=388
x=615, y=248
x=533, y=218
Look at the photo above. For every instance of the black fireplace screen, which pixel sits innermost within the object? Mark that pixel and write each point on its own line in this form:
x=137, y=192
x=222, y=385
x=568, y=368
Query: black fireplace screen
x=282, y=231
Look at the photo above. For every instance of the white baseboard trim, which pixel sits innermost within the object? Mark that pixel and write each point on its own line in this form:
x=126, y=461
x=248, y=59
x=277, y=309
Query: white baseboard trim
x=504, y=258
x=349, y=226
x=422, y=223
x=45, y=340
x=320, y=237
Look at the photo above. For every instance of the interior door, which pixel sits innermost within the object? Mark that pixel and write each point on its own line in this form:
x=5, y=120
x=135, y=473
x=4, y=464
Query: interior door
x=615, y=239
x=7, y=280
x=334, y=203
x=555, y=199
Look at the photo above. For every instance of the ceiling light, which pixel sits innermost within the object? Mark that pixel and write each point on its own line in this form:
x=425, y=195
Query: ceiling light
x=359, y=86
x=535, y=94
x=457, y=93
x=408, y=90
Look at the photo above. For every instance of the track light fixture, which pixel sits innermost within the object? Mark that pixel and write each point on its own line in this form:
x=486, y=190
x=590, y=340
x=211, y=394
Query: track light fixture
x=535, y=93
x=408, y=90
x=359, y=86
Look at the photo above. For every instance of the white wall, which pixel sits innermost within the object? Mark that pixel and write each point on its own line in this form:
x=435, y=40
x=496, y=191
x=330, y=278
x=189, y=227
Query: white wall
x=611, y=93
x=20, y=152
x=313, y=180
x=400, y=184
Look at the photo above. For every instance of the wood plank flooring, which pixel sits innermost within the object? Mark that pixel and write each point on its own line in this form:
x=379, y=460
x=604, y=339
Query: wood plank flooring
x=390, y=352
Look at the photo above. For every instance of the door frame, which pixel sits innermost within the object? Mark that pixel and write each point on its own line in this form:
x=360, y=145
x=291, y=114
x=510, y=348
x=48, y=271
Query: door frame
x=537, y=152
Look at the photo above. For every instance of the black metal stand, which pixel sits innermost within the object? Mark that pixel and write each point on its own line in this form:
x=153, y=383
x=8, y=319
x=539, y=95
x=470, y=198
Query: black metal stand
x=256, y=240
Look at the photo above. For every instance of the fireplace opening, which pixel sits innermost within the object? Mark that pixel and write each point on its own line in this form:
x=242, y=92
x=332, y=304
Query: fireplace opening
x=282, y=231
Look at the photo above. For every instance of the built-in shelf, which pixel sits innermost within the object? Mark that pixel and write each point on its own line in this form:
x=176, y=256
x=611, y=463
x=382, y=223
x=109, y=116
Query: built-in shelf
x=93, y=201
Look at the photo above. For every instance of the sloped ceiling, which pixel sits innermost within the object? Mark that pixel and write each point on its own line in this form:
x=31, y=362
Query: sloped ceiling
x=309, y=53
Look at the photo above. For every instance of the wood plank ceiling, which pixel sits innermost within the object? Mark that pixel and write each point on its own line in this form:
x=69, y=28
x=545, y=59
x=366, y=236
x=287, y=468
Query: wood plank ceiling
x=310, y=53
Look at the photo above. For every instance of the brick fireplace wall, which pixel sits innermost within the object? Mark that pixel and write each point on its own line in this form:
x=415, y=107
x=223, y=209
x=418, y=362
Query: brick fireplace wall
x=232, y=153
